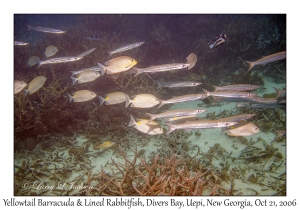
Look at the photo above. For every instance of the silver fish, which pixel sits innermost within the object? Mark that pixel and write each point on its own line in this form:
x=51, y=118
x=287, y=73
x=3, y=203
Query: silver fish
x=230, y=94
x=161, y=68
x=94, y=68
x=267, y=100
x=20, y=43
x=236, y=87
x=218, y=40
x=65, y=59
x=178, y=99
x=182, y=119
x=86, y=53
x=191, y=60
x=46, y=30
x=126, y=47
x=267, y=59
x=237, y=118
x=177, y=112
x=178, y=84
x=199, y=124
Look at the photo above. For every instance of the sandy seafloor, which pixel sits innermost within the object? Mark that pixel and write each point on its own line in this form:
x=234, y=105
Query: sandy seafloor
x=208, y=138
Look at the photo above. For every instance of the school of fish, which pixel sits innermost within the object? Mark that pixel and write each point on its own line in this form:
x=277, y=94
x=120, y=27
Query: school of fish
x=186, y=119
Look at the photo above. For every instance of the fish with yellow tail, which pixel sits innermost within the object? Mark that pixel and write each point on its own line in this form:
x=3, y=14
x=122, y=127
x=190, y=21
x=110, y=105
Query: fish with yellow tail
x=82, y=95
x=117, y=65
x=146, y=126
x=35, y=85
x=243, y=128
x=267, y=59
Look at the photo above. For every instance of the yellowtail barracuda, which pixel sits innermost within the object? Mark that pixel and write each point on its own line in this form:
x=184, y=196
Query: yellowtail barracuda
x=65, y=59
x=178, y=99
x=199, y=124
x=46, y=30
x=177, y=112
x=126, y=47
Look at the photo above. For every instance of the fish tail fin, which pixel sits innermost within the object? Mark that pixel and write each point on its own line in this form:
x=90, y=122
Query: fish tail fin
x=127, y=101
x=70, y=97
x=216, y=88
x=73, y=73
x=171, y=127
x=39, y=64
x=74, y=80
x=102, y=100
x=132, y=121
x=110, y=54
x=161, y=103
x=152, y=117
x=206, y=93
x=28, y=27
x=159, y=85
x=25, y=91
x=251, y=65
x=103, y=69
x=277, y=91
x=138, y=71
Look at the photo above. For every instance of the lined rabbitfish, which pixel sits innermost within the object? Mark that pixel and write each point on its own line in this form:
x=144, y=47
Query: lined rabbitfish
x=115, y=98
x=50, y=51
x=242, y=129
x=35, y=85
x=85, y=76
x=177, y=112
x=199, y=124
x=236, y=87
x=32, y=61
x=46, y=30
x=267, y=59
x=82, y=95
x=144, y=101
x=117, y=65
x=105, y=145
x=178, y=84
x=146, y=126
x=19, y=86
x=94, y=68
x=126, y=47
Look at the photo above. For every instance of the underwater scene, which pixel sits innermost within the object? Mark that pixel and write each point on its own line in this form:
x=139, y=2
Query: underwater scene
x=149, y=104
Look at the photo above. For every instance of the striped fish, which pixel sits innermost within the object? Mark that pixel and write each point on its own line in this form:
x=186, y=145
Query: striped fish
x=65, y=59
x=46, y=30
x=230, y=94
x=177, y=112
x=199, y=124
x=236, y=87
x=94, y=68
x=237, y=118
x=178, y=84
x=126, y=47
x=267, y=59
x=161, y=68
x=20, y=43
x=178, y=99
